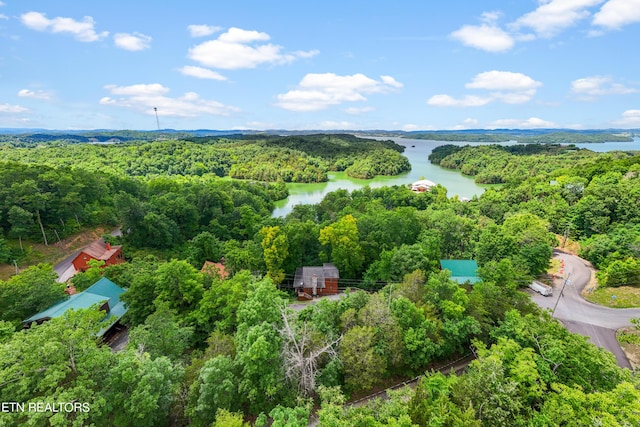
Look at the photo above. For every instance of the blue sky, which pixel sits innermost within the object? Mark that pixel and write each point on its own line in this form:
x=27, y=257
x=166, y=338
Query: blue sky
x=348, y=64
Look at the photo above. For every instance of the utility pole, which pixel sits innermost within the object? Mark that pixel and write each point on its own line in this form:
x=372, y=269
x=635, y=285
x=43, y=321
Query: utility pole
x=157, y=121
x=566, y=281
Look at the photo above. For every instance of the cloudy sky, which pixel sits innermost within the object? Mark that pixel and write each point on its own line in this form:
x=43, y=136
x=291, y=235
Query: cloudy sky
x=348, y=64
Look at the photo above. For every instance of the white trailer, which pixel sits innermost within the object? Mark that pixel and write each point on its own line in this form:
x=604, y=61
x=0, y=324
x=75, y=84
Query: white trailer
x=541, y=288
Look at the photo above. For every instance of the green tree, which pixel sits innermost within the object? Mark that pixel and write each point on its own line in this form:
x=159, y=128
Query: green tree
x=140, y=389
x=58, y=361
x=216, y=389
x=204, y=247
x=363, y=366
x=432, y=403
x=258, y=344
x=179, y=285
x=161, y=335
x=341, y=237
x=276, y=248
x=29, y=292
x=82, y=280
x=225, y=418
x=21, y=221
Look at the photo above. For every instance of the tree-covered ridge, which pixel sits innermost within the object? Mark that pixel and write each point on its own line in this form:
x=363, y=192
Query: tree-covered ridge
x=46, y=204
x=268, y=158
x=527, y=137
x=495, y=164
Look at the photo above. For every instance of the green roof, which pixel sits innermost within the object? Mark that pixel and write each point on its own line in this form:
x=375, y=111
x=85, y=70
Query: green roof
x=462, y=270
x=102, y=291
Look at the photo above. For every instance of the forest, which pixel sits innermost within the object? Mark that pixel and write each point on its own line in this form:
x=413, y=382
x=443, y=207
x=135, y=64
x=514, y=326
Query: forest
x=207, y=350
x=306, y=158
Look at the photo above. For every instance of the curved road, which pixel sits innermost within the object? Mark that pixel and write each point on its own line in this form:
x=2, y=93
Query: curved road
x=596, y=322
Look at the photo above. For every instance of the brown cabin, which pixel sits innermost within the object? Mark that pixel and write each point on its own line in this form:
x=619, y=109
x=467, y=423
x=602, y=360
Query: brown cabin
x=100, y=251
x=313, y=282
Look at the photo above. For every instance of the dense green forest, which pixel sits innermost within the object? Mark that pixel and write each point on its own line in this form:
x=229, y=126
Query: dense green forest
x=265, y=158
x=206, y=350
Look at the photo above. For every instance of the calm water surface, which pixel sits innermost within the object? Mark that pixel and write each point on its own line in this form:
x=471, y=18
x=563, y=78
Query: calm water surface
x=417, y=151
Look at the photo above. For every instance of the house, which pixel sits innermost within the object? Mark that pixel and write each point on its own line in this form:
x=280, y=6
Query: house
x=98, y=250
x=422, y=185
x=215, y=268
x=104, y=293
x=462, y=270
x=310, y=282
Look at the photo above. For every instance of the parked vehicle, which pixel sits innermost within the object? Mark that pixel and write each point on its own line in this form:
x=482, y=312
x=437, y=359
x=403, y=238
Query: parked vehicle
x=541, y=288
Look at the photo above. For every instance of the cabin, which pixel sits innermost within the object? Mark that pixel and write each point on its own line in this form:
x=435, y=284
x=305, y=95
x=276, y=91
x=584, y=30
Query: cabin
x=104, y=294
x=422, y=186
x=98, y=250
x=311, y=282
x=462, y=270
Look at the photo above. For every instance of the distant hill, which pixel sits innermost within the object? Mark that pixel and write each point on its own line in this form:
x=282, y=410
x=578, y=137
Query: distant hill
x=27, y=137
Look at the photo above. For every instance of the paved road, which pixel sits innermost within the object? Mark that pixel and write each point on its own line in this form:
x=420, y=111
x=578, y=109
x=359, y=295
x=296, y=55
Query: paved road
x=579, y=315
x=65, y=269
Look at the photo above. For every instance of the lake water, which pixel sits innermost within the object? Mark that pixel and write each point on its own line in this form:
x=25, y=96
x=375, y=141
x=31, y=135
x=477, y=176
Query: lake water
x=417, y=151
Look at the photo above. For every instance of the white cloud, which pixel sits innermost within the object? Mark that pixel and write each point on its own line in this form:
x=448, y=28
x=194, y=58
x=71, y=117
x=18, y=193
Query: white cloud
x=333, y=125
x=8, y=108
x=549, y=19
x=153, y=89
x=238, y=48
x=467, y=123
x=388, y=80
x=487, y=37
x=554, y=16
x=82, y=30
x=630, y=118
x=355, y=110
x=502, y=80
x=449, y=101
x=618, y=13
x=145, y=97
x=38, y=94
x=202, y=30
x=504, y=86
x=3, y=16
x=530, y=123
x=319, y=91
x=409, y=127
x=588, y=88
x=238, y=35
x=133, y=42
x=201, y=73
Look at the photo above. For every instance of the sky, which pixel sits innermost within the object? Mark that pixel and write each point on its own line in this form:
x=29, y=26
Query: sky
x=321, y=65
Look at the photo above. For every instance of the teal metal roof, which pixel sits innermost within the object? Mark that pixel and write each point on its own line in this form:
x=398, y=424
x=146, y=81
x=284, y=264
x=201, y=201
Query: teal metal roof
x=107, y=288
x=462, y=270
x=101, y=291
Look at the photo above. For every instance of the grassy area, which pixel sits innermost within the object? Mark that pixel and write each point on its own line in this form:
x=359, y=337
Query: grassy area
x=37, y=253
x=629, y=339
x=622, y=297
x=554, y=267
x=569, y=245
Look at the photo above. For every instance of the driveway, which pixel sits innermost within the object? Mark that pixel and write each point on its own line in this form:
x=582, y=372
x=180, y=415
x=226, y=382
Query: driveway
x=596, y=322
x=65, y=269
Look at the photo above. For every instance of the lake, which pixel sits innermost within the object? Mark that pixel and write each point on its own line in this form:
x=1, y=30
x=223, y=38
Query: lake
x=417, y=151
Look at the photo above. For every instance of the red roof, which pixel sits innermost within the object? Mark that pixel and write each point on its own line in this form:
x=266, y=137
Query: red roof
x=101, y=250
x=211, y=267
